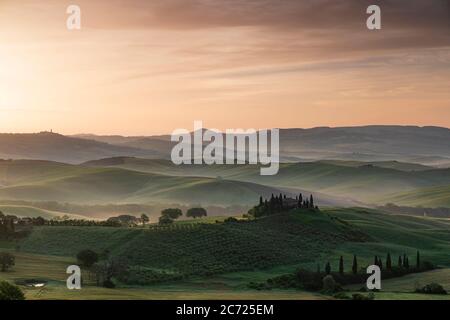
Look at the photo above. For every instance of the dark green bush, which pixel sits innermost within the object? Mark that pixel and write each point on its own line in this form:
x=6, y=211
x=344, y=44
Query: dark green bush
x=432, y=288
x=10, y=291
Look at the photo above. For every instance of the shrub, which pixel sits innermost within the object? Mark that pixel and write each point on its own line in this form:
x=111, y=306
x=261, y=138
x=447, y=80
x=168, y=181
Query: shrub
x=172, y=213
x=7, y=260
x=328, y=284
x=342, y=296
x=109, y=284
x=432, y=288
x=165, y=220
x=87, y=257
x=359, y=296
x=196, y=213
x=10, y=291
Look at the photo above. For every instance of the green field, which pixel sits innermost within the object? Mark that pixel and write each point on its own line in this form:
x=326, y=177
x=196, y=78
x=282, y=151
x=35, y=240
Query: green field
x=204, y=248
x=220, y=259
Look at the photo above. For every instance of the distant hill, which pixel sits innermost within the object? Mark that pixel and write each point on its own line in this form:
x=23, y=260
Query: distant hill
x=423, y=145
x=32, y=212
x=56, y=147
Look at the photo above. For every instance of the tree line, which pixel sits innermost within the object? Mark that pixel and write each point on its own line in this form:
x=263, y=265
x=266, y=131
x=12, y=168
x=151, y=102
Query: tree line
x=168, y=216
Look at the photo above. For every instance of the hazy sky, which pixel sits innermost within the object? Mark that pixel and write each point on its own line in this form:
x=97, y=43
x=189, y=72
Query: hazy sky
x=151, y=66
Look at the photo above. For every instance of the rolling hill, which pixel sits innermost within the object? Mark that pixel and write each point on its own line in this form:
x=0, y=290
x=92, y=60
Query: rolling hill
x=372, y=182
x=49, y=181
x=423, y=145
x=32, y=212
x=295, y=238
x=432, y=197
x=204, y=249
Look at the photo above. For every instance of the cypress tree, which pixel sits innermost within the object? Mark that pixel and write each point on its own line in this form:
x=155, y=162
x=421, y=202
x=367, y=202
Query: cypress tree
x=260, y=201
x=375, y=261
x=355, y=265
x=341, y=265
x=388, y=262
x=400, y=263
x=328, y=268
x=311, y=201
x=406, y=263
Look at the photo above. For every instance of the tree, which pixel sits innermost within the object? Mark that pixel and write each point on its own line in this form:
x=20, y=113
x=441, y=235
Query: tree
x=341, y=265
x=311, y=201
x=388, y=262
x=196, y=213
x=165, y=220
x=406, y=263
x=172, y=213
x=10, y=291
x=400, y=262
x=87, y=257
x=7, y=260
x=355, y=265
x=418, y=260
x=328, y=268
x=144, y=219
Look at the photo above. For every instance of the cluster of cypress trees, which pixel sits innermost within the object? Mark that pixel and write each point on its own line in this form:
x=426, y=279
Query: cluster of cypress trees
x=280, y=203
x=403, y=262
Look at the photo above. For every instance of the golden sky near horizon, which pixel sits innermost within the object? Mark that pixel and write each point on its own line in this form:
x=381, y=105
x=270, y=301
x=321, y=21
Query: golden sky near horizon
x=142, y=67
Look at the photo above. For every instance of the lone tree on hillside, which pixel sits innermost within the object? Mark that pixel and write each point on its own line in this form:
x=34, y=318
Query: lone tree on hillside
x=144, y=219
x=87, y=258
x=196, y=213
x=172, y=213
x=355, y=265
x=341, y=265
x=7, y=260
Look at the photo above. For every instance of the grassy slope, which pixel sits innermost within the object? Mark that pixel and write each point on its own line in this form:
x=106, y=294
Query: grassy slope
x=432, y=197
x=52, y=269
x=396, y=234
x=204, y=248
x=295, y=239
x=293, y=245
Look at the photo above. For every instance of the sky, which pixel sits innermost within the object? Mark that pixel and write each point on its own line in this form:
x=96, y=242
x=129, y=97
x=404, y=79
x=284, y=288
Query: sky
x=142, y=67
